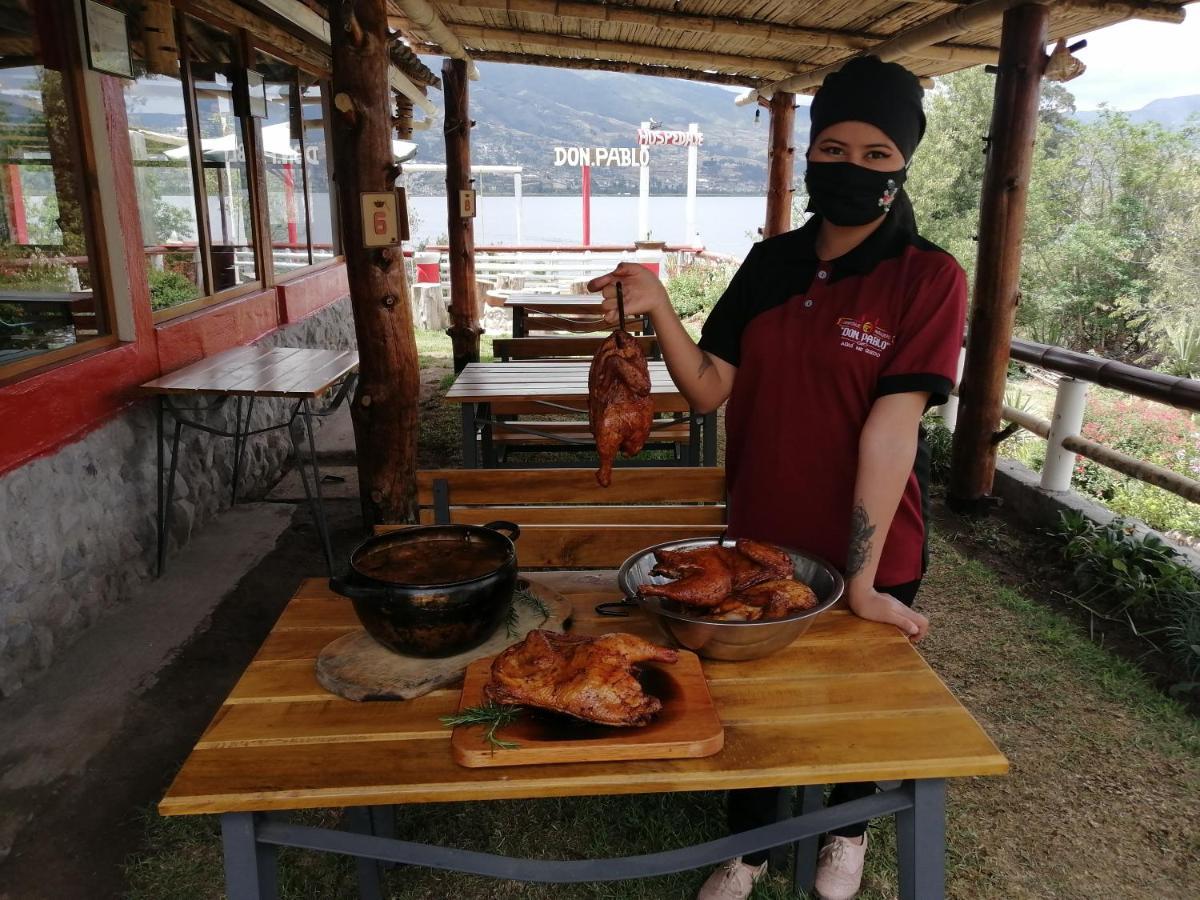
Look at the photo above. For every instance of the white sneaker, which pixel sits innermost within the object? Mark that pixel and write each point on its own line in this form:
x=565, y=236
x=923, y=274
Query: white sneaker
x=840, y=867
x=733, y=881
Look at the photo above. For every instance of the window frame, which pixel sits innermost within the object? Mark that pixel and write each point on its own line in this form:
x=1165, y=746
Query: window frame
x=71, y=54
x=250, y=140
x=257, y=44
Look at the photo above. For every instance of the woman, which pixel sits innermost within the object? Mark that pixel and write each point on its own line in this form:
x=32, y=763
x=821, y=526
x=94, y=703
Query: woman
x=830, y=343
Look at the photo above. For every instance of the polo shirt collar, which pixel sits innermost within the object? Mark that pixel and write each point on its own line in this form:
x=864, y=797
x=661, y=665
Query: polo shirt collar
x=885, y=242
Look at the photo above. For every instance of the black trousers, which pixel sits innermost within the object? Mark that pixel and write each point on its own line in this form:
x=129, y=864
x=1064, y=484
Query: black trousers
x=755, y=807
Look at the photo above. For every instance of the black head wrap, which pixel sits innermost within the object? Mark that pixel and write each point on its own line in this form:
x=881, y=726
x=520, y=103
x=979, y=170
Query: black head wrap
x=883, y=94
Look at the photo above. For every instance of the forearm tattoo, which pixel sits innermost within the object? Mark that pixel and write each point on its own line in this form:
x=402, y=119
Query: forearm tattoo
x=861, y=532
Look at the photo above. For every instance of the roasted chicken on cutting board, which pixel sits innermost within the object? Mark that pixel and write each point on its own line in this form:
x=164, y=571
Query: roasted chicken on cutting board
x=745, y=583
x=590, y=678
x=620, y=410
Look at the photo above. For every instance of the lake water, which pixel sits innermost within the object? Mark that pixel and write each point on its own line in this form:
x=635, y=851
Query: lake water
x=726, y=224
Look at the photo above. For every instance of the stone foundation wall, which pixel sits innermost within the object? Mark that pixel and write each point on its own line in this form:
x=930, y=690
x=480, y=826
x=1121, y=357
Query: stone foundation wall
x=78, y=534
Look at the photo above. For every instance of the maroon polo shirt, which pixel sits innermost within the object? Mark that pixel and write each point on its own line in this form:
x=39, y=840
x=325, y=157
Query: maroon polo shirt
x=815, y=345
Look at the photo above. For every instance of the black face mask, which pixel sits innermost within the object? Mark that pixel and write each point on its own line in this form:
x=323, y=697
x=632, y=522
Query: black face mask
x=846, y=194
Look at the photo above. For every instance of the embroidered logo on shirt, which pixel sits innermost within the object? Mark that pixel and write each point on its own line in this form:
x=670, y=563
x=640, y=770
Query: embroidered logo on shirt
x=864, y=335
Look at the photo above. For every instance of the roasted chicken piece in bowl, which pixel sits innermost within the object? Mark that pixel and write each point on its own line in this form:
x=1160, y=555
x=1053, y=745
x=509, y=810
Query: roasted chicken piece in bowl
x=754, y=621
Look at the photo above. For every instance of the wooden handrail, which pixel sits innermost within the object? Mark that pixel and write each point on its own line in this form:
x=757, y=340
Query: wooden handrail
x=1183, y=393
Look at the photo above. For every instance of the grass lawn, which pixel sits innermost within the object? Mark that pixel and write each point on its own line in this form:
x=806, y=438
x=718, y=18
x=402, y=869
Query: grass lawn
x=1102, y=802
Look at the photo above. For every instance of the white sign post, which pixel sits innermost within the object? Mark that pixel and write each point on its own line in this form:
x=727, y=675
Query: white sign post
x=643, y=230
x=692, y=139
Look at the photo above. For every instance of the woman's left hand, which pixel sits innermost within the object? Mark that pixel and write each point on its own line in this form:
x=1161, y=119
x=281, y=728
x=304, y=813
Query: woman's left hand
x=868, y=603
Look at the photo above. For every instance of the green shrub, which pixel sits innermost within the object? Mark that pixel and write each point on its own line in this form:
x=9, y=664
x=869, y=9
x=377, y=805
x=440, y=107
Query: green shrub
x=169, y=289
x=940, y=440
x=1137, y=580
x=697, y=288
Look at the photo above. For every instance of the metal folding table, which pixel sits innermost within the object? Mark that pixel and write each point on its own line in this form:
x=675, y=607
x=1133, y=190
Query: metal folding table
x=246, y=374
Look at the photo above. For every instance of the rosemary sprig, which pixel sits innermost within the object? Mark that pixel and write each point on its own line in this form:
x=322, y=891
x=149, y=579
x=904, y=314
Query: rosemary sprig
x=512, y=622
x=492, y=715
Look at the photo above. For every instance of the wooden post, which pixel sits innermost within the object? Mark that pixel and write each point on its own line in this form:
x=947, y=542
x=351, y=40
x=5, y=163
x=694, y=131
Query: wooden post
x=464, y=329
x=781, y=157
x=998, y=263
x=386, y=402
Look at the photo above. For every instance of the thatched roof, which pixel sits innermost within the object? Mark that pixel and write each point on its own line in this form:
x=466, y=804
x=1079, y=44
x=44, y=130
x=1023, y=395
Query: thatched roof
x=752, y=42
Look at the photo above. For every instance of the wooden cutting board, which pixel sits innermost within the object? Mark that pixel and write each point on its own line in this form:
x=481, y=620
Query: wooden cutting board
x=356, y=667
x=687, y=726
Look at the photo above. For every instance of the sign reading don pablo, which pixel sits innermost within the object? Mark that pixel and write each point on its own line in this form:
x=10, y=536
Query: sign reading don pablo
x=601, y=156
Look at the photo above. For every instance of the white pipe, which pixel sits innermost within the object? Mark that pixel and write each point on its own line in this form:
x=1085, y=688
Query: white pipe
x=643, y=228
x=1069, y=404
x=949, y=409
x=425, y=18
x=517, y=189
x=693, y=165
x=398, y=82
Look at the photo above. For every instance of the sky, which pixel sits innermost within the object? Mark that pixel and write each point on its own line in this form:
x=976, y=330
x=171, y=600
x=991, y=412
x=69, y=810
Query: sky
x=1132, y=63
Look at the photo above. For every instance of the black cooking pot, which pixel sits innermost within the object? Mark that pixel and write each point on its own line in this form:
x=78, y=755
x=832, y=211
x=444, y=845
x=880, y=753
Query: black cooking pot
x=435, y=590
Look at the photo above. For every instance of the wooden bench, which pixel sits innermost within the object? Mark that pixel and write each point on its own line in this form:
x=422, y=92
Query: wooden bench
x=567, y=520
x=576, y=324
x=507, y=349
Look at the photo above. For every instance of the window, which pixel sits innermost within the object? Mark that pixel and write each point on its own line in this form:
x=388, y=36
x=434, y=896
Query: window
x=48, y=301
x=156, y=110
x=295, y=159
x=219, y=141
x=321, y=201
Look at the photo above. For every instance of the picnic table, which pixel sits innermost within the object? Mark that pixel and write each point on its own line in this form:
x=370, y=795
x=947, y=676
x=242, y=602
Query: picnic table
x=565, y=312
x=850, y=701
x=492, y=395
x=247, y=374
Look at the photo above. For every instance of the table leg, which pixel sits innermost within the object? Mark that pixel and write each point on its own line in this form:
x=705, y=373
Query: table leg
x=241, y=431
x=469, y=452
x=710, y=439
x=921, y=841
x=250, y=867
x=362, y=820
x=169, y=500
x=518, y=321
x=160, y=518
x=804, y=859
x=485, y=436
x=694, y=437
x=319, y=506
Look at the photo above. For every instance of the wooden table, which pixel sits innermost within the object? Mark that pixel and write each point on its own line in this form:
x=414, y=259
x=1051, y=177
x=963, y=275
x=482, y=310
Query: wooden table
x=564, y=305
x=246, y=374
x=558, y=386
x=850, y=701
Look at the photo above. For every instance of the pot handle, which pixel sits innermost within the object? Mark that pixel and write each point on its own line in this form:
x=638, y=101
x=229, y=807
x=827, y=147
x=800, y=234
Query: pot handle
x=510, y=530
x=347, y=588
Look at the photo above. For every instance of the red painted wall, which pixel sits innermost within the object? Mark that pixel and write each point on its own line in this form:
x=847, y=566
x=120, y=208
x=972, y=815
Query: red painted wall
x=44, y=411
x=303, y=296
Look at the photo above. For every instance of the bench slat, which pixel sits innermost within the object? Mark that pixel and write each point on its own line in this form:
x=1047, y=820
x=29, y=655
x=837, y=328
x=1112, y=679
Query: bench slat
x=634, y=485
x=559, y=347
x=583, y=515
x=590, y=546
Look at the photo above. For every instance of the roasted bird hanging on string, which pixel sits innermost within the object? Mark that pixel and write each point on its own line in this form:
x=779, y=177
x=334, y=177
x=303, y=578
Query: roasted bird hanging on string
x=620, y=410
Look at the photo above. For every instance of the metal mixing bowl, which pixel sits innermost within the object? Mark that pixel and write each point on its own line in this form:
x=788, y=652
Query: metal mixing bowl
x=729, y=640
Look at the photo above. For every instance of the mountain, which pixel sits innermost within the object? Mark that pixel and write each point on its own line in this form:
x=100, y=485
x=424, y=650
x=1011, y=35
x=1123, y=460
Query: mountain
x=1170, y=112
x=522, y=113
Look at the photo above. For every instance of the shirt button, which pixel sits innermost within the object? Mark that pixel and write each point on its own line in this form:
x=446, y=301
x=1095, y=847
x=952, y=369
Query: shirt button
x=808, y=303
x=822, y=274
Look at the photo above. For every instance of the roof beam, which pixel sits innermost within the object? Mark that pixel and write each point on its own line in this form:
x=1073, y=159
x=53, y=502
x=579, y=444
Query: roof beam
x=727, y=26
x=646, y=53
x=424, y=18
x=606, y=65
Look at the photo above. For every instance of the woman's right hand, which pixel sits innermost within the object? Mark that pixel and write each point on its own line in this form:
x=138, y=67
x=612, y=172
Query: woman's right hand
x=641, y=291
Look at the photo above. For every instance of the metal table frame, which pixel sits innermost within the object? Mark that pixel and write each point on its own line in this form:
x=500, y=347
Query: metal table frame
x=241, y=434
x=251, y=841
